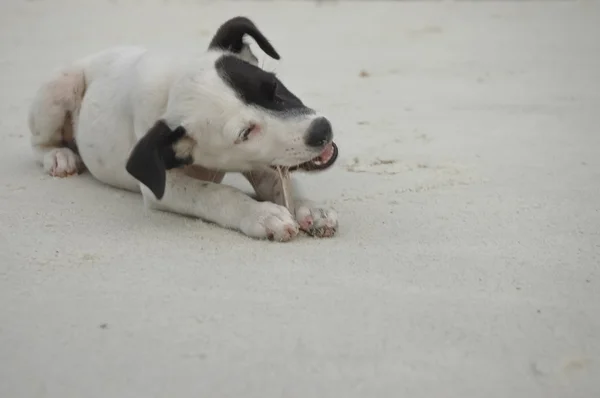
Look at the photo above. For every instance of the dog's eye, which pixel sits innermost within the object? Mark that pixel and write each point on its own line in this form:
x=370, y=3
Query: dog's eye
x=245, y=133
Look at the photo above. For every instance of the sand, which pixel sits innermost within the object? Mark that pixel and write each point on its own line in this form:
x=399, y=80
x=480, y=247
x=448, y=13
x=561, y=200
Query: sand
x=468, y=189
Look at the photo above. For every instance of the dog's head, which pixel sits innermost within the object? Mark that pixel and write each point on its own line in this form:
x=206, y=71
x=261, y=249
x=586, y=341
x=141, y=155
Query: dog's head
x=224, y=113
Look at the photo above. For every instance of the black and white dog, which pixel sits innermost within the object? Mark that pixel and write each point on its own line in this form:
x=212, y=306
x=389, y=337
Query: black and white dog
x=171, y=126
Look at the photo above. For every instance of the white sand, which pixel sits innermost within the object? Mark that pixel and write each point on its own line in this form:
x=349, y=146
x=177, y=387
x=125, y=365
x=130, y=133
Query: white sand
x=468, y=191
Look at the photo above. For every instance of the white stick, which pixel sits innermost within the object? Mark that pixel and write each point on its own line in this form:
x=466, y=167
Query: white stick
x=286, y=187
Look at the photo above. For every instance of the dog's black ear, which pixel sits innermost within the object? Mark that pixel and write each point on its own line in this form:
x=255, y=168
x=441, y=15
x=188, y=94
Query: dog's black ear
x=230, y=36
x=153, y=155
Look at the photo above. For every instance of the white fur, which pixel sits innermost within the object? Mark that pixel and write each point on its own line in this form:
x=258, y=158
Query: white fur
x=109, y=100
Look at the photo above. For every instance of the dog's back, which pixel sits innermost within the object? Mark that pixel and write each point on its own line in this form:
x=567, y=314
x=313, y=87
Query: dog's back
x=55, y=109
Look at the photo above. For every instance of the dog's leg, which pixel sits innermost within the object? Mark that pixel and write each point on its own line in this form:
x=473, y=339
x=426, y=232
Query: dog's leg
x=223, y=205
x=314, y=220
x=51, y=121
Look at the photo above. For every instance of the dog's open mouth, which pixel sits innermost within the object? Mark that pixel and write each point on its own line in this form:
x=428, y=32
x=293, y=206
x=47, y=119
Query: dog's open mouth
x=324, y=161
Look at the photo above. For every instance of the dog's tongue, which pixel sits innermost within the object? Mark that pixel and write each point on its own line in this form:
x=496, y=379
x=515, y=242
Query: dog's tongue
x=326, y=158
x=326, y=154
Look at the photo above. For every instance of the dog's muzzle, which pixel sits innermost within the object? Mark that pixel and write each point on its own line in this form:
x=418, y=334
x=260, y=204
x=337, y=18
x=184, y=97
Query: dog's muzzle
x=319, y=135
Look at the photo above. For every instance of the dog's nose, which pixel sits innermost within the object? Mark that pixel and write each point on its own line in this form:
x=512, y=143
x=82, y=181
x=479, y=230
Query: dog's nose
x=319, y=132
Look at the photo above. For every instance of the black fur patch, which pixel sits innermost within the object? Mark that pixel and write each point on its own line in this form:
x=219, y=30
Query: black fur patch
x=230, y=37
x=153, y=155
x=258, y=87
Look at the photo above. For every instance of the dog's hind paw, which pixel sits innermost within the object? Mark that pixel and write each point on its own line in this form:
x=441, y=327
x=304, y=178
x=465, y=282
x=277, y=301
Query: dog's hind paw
x=270, y=221
x=317, y=222
x=62, y=162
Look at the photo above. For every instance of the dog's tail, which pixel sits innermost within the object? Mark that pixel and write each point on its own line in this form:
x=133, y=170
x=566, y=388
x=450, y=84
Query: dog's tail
x=52, y=117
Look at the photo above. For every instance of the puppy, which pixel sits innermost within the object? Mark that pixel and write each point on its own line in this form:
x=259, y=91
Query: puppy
x=170, y=126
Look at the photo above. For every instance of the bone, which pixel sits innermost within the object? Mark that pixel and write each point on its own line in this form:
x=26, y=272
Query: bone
x=286, y=187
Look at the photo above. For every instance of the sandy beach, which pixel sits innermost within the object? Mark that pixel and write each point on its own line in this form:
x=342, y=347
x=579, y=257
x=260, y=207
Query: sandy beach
x=467, y=188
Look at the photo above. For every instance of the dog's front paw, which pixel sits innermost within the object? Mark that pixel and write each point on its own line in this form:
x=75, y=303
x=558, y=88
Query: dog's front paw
x=271, y=221
x=322, y=223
